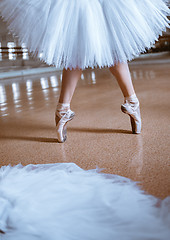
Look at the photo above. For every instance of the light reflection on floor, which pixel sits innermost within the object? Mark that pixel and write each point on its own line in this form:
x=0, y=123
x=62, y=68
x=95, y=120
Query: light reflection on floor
x=19, y=88
x=48, y=84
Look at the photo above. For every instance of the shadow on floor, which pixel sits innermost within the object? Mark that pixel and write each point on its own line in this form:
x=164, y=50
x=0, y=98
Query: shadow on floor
x=54, y=140
x=34, y=139
x=99, y=130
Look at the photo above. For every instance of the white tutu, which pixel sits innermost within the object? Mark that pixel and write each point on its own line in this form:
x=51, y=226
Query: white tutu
x=64, y=202
x=86, y=33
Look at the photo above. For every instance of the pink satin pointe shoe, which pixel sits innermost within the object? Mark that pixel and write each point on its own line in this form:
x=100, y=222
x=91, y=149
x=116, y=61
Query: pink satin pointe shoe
x=61, y=120
x=133, y=110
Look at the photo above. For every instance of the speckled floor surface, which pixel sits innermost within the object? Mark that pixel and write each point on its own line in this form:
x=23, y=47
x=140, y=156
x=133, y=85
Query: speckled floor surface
x=100, y=134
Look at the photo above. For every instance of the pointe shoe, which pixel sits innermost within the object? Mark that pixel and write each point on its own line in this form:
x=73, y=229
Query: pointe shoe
x=61, y=120
x=133, y=110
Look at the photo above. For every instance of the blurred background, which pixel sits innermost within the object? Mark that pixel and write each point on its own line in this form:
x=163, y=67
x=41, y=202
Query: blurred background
x=15, y=57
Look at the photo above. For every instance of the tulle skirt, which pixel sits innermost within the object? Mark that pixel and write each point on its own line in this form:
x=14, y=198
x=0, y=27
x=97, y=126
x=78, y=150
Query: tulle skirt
x=64, y=202
x=86, y=33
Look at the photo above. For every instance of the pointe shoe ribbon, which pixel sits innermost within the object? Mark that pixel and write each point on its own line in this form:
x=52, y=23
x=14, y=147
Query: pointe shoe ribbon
x=130, y=107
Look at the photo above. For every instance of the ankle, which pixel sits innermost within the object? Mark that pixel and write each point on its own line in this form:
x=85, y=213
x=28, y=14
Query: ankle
x=63, y=107
x=131, y=99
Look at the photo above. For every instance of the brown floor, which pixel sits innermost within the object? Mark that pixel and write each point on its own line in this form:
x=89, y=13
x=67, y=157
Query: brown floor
x=100, y=134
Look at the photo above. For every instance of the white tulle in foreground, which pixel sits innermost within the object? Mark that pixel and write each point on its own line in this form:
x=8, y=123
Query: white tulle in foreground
x=64, y=202
x=86, y=33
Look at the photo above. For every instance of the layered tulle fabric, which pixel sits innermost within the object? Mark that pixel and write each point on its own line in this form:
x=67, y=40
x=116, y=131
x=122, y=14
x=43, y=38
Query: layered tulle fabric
x=86, y=33
x=62, y=201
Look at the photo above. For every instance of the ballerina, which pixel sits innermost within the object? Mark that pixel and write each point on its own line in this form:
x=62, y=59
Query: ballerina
x=61, y=200
x=75, y=35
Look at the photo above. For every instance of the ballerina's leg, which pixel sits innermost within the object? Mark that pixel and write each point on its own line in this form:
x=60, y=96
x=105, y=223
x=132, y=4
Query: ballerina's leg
x=69, y=83
x=63, y=112
x=131, y=102
x=123, y=77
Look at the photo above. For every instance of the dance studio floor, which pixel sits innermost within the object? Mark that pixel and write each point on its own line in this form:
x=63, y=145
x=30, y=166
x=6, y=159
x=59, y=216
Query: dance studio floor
x=100, y=134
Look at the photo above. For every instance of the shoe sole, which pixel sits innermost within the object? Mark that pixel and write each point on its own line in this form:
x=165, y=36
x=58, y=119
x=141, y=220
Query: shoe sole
x=133, y=125
x=132, y=121
x=64, y=132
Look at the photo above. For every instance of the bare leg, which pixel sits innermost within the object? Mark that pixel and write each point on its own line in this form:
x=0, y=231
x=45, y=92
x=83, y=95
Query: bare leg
x=122, y=74
x=69, y=82
x=131, y=103
x=63, y=112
